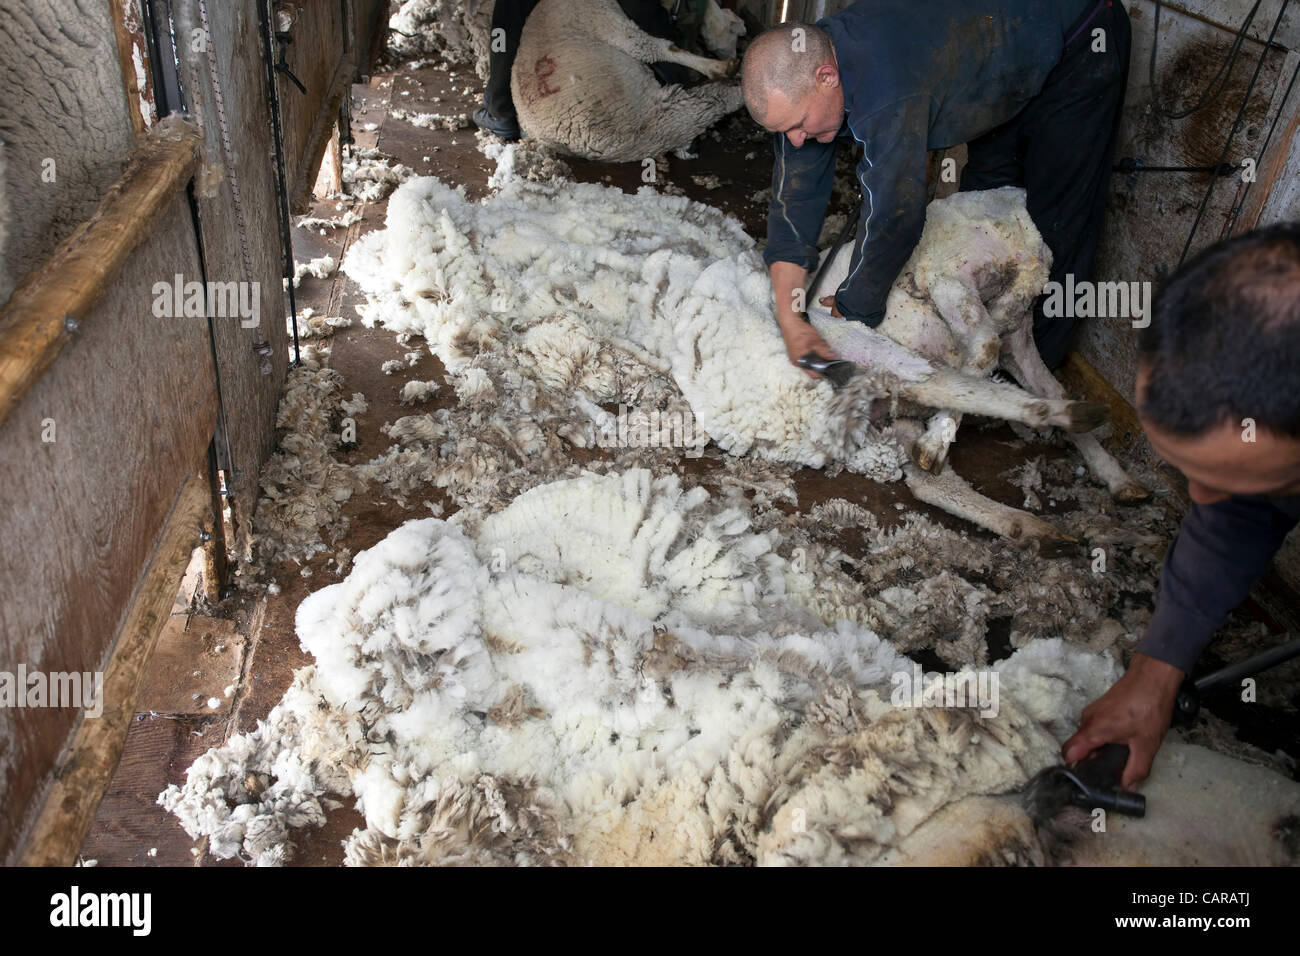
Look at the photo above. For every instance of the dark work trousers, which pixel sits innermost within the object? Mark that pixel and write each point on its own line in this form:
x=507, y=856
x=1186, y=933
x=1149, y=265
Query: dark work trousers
x=509, y=16
x=1060, y=148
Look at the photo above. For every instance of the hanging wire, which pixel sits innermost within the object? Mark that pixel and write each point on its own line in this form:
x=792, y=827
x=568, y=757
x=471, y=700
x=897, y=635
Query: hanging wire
x=1263, y=150
x=1221, y=78
x=1232, y=131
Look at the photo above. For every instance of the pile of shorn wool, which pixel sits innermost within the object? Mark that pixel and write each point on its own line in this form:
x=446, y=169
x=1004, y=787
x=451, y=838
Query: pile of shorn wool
x=611, y=669
x=618, y=669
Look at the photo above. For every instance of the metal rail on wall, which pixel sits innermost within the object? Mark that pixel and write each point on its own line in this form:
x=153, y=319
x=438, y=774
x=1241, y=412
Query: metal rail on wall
x=281, y=176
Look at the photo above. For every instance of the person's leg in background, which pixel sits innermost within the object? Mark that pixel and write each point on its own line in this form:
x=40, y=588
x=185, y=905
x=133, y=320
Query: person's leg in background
x=1070, y=132
x=497, y=114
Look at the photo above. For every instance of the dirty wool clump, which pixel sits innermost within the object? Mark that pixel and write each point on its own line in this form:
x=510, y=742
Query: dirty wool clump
x=370, y=175
x=612, y=669
x=455, y=31
x=675, y=284
x=525, y=159
x=414, y=392
x=303, y=485
x=927, y=587
x=313, y=326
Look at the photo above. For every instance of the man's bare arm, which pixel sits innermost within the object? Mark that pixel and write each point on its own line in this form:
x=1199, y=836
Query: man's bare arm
x=800, y=337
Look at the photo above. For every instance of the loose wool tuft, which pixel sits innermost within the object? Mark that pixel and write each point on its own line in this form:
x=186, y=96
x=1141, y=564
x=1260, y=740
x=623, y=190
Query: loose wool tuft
x=613, y=669
x=369, y=175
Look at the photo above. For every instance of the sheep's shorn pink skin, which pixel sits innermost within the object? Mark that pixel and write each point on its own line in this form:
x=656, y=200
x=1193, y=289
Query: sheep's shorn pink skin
x=581, y=84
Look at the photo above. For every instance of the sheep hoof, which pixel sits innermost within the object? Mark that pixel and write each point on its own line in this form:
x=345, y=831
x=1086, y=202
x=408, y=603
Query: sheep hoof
x=1085, y=416
x=927, y=458
x=1050, y=542
x=732, y=67
x=1130, y=493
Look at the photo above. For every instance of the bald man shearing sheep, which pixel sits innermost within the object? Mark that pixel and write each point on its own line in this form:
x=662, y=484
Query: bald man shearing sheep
x=1034, y=87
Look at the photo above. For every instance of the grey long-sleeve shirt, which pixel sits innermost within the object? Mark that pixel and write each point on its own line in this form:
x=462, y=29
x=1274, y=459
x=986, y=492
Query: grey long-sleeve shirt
x=916, y=75
x=1220, y=552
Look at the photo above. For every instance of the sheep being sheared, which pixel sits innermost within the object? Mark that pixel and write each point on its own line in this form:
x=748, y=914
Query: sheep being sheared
x=582, y=84
x=556, y=276
x=965, y=300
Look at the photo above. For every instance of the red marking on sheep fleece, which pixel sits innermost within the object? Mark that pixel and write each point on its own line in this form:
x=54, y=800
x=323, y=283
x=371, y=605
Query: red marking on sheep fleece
x=544, y=67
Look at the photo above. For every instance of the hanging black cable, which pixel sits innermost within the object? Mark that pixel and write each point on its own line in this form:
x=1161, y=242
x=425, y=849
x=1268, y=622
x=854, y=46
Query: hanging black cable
x=160, y=41
x=1224, y=74
x=1259, y=160
x=1232, y=131
x=281, y=183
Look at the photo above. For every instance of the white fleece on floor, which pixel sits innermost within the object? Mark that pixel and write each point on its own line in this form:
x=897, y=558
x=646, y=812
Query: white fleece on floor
x=612, y=669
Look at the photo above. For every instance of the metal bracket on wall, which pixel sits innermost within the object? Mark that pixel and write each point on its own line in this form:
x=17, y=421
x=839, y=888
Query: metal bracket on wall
x=1131, y=164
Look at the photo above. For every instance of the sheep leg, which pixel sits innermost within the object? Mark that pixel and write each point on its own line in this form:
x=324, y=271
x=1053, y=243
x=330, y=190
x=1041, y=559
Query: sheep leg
x=961, y=308
x=958, y=392
x=922, y=382
x=615, y=29
x=1021, y=359
x=930, y=451
x=951, y=493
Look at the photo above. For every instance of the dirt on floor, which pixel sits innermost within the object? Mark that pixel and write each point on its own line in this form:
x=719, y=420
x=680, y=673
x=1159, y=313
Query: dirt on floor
x=732, y=170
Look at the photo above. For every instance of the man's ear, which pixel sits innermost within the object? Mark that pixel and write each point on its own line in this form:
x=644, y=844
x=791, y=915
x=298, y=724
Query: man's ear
x=827, y=77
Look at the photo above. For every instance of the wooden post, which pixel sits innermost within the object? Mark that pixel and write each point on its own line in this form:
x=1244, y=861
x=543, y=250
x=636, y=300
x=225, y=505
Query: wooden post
x=1275, y=192
x=303, y=178
x=329, y=181
x=133, y=58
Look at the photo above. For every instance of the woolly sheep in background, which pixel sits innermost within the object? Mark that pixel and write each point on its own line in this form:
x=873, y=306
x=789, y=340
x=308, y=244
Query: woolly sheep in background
x=569, y=46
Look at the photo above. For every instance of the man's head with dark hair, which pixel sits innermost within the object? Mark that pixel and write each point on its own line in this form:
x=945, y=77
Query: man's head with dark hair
x=791, y=82
x=1219, y=367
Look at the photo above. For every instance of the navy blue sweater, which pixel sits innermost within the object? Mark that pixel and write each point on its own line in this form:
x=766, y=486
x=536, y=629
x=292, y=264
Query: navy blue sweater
x=917, y=75
x=1220, y=552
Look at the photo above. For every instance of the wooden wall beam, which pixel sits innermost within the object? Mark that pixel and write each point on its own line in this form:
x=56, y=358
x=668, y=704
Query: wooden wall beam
x=44, y=312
